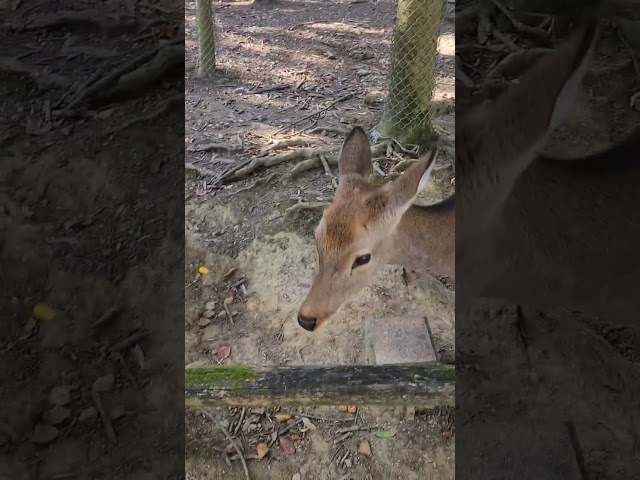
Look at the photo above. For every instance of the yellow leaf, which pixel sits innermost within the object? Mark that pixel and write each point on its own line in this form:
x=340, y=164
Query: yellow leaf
x=307, y=423
x=43, y=312
x=203, y=270
x=282, y=417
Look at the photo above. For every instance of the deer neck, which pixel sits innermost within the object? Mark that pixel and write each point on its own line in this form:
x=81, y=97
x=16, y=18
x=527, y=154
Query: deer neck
x=424, y=240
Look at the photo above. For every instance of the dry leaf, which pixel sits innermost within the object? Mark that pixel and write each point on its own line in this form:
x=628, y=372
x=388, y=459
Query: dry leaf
x=228, y=301
x=104, y=383
x=203, y=322
x=60, y=395
x=287, y=446
x=223, y=353
x=44, y=434
x=210, y=305
x=352, y=409
x=295, y=436
x=342, y=408
x=364, y=448
x=296, y=476
x=203, y=270
x=283, y=417
x=308, y=424
x=43, y=312
x=262, y=450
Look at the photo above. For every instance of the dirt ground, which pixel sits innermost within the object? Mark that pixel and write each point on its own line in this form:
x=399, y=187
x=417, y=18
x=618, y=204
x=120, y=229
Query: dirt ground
x=414, y=449
x=556, y=366
x=277, y=64
x=81, y=233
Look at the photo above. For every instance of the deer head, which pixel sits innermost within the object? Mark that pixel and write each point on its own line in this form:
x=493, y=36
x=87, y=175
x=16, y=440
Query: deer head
x=356, y=236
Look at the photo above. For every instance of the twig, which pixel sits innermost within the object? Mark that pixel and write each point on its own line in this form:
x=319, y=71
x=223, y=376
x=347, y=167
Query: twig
x=305, y=206
x=229, y=314
x=533, y=31
x=44, y=80
x=237, y=449
x=89, y=19
x=212, y=147
x=106, y=317
x=106, y=421
x=242, y=414
x=131, y=340
x=259, y=181
x=289, y=142
x=201, y=170
x=328, y=129
x=343, y=98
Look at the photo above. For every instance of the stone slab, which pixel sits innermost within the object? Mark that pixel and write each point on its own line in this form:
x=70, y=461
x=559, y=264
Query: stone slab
x=398, y=340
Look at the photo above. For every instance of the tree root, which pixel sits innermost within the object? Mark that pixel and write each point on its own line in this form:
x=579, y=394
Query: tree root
x=42, y=79
x=104, y=23
x=289, y=142
x=305, y=206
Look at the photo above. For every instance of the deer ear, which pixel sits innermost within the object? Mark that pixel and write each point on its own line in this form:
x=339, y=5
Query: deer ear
x=543, y=99
x=355, y=155
x=405, y=189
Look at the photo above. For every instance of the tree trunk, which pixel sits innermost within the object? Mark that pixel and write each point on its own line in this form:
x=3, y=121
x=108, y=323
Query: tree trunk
x=206, y=38
x=406, y=114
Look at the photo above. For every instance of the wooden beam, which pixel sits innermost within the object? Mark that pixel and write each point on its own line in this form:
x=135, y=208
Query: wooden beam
x=423, y=386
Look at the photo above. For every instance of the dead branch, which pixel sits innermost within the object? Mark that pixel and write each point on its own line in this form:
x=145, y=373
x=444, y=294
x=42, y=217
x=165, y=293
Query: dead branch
x=306, y=206
x=102, y=22
x=205, y=172
x=212, y=147
x=165, y=60
x=43, y=79
x=147, y=117
x=343, y=98
x=533, y=31
x=328, y=129
x=289, y=142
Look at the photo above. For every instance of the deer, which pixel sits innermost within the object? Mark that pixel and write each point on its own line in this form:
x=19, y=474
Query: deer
x=523, y=214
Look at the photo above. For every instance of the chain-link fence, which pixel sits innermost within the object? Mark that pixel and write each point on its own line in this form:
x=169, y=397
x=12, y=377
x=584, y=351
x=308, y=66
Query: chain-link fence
x=206, y=37
x=411, y=81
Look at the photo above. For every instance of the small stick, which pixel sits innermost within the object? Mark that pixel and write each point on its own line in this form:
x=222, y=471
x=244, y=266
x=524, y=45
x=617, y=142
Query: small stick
x=205, y=172
x=237, y=449
x=229, y=314
x=106, y=317
x=306, y=206
x=131, y=340
x=343, y=98
x=238, y=283
x=106, y=421
x=235, y=430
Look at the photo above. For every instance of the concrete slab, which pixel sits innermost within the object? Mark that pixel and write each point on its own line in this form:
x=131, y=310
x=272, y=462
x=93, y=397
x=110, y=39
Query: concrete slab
x=397, y=340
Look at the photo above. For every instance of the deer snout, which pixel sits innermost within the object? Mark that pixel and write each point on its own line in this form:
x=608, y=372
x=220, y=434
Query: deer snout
x=308, y=324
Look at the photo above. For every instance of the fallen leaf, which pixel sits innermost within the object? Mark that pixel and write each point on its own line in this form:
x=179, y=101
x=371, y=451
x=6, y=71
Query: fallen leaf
x=56, y=415
x=287, y=446
x=283, y=417
x=308, y=424
x=44, y=434
x=43, y=312
x=228, y=301
x=296, y=476
x=262, y=450
x=203, y=322
x=203, y=270
x=364, y=448
x=60, y=395
x=385, y=434
x=352, y=409
x=104, y=383
x=223, y=353
x=342, y=408
x=295, y=436
x=210, y=305
x=88, y=414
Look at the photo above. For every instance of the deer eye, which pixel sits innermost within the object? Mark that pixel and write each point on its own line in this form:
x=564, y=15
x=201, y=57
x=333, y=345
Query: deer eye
x=361, y=260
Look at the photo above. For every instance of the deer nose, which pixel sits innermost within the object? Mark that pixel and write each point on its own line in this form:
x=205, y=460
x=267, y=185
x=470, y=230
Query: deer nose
x=307, y=323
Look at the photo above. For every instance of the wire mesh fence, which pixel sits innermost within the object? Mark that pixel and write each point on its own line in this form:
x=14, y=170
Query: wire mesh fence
x=206, y=37
x=412, y=76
